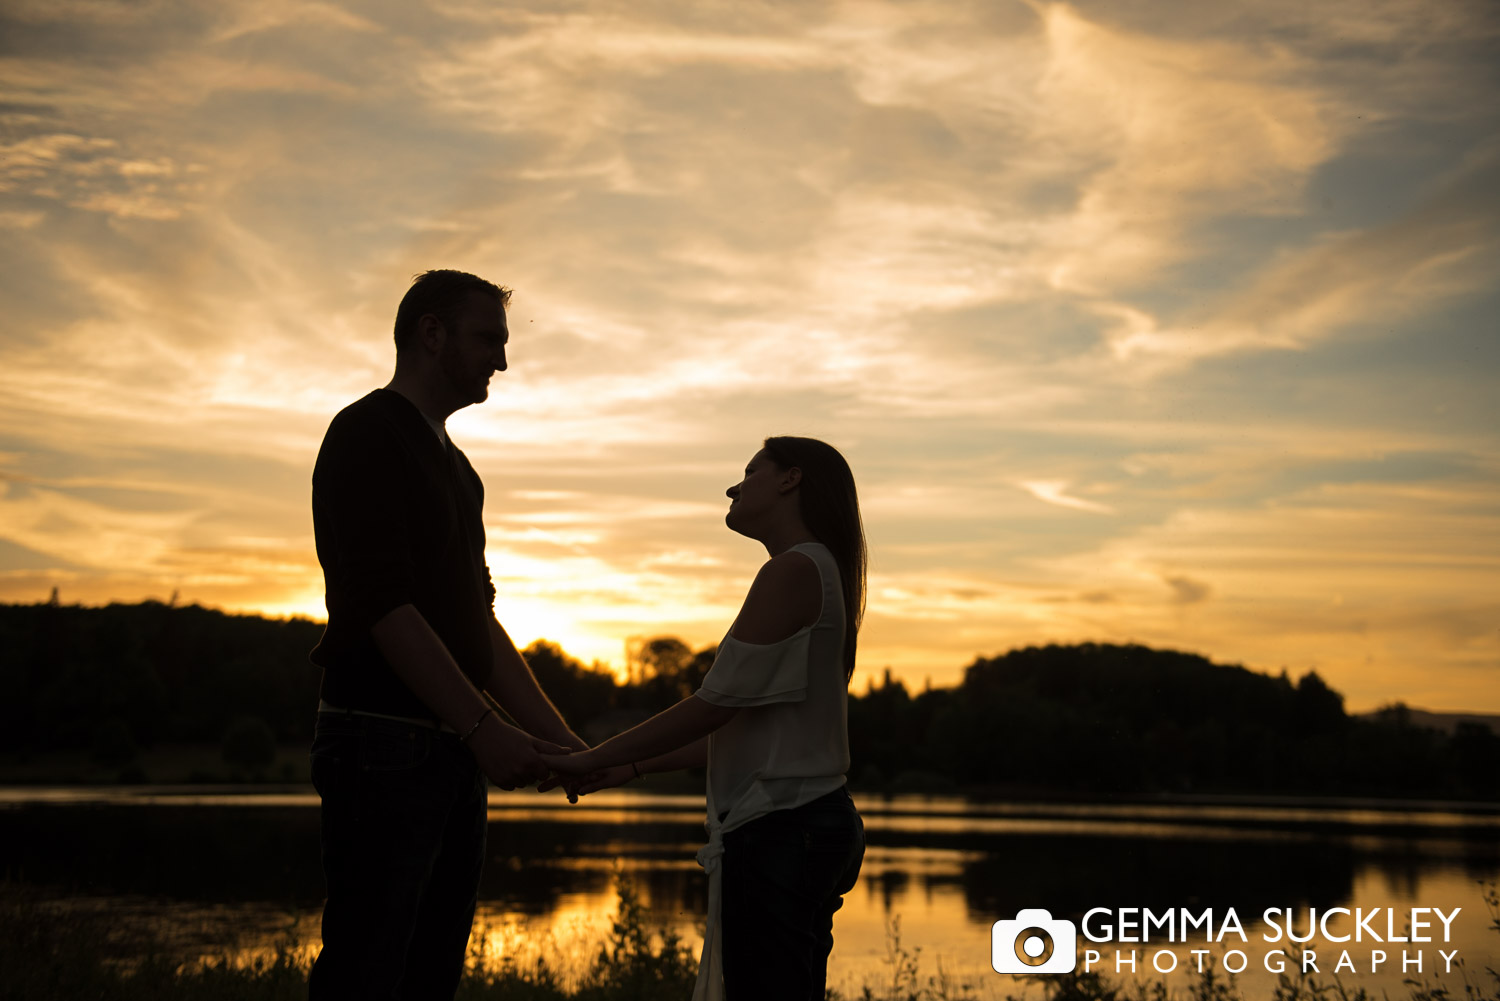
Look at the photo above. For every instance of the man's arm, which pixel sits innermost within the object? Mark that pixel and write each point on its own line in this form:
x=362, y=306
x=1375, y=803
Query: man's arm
x=424, y=665
x=515, y=688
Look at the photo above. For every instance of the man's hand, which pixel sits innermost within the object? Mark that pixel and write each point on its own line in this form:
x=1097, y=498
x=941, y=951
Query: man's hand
x=507, y=755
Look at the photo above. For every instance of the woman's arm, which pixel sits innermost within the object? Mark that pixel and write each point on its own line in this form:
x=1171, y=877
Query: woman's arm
x=688, y=722
x=694, y=755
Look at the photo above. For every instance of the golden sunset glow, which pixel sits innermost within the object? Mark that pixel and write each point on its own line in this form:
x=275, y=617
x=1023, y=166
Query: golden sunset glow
x=1153, y=322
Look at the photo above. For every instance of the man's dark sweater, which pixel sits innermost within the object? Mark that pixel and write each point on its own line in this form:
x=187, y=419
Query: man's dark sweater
x=397, y=518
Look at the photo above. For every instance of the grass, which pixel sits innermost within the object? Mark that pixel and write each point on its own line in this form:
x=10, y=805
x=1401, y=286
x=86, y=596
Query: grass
x=63, y=954
x=60, y=954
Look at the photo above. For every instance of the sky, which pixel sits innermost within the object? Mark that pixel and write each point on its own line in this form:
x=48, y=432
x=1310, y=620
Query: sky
x=1138, y=321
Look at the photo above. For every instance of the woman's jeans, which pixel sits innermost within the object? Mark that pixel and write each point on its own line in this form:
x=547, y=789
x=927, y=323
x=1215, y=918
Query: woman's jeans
x=784, y=876
x=403, y=845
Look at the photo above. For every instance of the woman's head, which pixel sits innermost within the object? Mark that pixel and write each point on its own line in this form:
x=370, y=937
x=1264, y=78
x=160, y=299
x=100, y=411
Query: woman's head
x=829, y=507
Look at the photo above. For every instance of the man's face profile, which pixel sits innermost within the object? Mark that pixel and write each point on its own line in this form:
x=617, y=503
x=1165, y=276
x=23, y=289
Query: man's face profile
x=475, y=348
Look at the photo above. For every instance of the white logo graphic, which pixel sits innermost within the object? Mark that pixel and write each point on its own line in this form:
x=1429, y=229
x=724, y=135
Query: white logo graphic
x=1034, y=942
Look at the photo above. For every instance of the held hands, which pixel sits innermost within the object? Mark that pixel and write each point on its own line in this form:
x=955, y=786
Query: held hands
x=575, y=763
x=606, y=778
x=569, y=776
x=510, y=757
x=580, y=773
x=547, y=750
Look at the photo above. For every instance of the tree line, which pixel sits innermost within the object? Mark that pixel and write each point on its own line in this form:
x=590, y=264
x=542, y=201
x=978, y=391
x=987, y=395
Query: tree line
x=1081, y=719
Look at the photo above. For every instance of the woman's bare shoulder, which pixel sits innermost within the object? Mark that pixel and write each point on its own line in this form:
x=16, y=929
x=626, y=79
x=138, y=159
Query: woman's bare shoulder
x=787, y=596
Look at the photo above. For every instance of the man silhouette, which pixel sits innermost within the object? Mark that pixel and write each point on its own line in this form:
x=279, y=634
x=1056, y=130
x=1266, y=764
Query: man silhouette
x=406, y=734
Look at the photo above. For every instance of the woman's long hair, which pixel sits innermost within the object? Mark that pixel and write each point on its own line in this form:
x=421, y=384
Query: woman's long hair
x=830, y=508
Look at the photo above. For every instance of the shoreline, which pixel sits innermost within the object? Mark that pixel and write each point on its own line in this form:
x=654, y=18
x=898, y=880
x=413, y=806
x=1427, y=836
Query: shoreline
x=1467, y=820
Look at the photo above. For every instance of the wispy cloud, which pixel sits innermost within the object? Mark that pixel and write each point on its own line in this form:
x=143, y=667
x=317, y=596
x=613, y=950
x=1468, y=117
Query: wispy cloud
x=1052, y=491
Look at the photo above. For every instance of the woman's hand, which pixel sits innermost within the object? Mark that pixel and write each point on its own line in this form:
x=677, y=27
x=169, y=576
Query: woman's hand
x=606, y=778
x=577, y=773
x=551, y=756
x=576, y=763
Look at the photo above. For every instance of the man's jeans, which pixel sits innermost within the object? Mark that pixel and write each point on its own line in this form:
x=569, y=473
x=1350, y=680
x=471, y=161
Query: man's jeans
x=403, y=845
x=784, y=876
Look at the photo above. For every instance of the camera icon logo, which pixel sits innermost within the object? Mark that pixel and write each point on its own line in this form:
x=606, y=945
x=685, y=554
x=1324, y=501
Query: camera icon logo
x=1035, y=942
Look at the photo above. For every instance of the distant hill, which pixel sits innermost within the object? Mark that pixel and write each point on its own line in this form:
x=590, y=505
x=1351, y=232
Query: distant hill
x=1443, y=722
x=1107, y=719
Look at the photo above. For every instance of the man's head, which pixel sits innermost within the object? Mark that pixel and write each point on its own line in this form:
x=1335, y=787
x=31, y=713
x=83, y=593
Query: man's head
x=440, y=294
x=451, y=335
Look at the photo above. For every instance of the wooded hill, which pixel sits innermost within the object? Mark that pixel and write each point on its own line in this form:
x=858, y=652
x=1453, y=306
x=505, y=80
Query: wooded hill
x=1085, y=719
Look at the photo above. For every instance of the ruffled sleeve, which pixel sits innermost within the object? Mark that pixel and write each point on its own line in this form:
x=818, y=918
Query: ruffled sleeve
x=758, y=674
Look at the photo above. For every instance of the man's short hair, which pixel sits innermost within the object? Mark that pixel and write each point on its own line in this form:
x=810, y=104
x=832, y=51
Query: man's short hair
x=441, y=293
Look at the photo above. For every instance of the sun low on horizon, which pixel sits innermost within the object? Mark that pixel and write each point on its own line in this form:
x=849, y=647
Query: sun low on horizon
x=1137, y=322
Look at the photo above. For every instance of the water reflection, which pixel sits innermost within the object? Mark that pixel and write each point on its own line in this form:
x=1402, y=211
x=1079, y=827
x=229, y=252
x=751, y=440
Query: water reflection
x=204, y=862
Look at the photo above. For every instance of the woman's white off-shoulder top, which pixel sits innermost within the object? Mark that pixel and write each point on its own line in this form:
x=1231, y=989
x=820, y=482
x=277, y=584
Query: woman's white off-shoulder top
x=787, y=746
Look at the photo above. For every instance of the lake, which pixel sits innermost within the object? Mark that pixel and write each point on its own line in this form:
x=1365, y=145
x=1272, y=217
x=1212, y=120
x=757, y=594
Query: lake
x=205, y=866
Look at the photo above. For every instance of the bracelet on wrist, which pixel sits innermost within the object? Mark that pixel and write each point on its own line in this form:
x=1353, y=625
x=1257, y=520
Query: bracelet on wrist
x=470, y=732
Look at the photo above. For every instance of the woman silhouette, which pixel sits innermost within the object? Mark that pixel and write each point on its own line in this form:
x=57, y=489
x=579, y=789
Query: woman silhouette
x=770, y=722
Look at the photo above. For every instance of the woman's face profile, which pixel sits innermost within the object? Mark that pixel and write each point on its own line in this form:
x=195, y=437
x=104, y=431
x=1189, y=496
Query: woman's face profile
x=754, y=496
